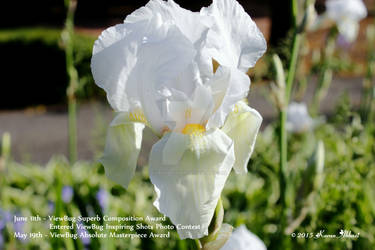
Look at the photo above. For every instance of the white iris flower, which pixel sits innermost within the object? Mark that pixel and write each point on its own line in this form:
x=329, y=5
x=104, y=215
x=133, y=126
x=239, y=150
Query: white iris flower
x=243, y=239
x=182, y=74
x=298, y=118
x=346, y=14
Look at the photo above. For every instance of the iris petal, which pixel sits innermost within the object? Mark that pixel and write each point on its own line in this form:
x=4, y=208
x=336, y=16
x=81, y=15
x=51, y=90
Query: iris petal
x=234, y=40
x=122, y=148
x=242, y=127
x=191, y=24
x=188, y=187
x=228, y=86
x=243, y=239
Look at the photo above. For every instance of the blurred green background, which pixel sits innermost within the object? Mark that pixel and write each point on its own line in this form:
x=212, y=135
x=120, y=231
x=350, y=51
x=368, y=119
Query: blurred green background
x=37, y=179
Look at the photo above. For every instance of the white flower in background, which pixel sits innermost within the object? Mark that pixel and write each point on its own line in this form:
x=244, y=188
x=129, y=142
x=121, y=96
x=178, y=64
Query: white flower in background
x=298, y=118
x=342, y=42
x=243, y=239
x=346, y=14
x=182, y=74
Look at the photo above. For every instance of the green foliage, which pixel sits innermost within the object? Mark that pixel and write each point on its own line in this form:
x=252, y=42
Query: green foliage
x=49, y=36
x=344, y=200
x=31, y=190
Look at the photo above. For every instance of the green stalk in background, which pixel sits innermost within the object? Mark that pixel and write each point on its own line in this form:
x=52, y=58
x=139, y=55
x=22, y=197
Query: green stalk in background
x=67, y=38
x=5, y=147
x=325, y=76
x=285, y=87
x=297, y=36
x=368, y=91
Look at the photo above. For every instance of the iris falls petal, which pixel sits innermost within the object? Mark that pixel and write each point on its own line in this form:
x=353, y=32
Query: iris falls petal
x=188, y=188
x=123, y=145
x=242, y=127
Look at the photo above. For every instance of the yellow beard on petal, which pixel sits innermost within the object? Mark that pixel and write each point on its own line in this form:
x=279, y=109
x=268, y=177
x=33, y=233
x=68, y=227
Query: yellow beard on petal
x=197, y=142
x=138, y=116
x=193, y=129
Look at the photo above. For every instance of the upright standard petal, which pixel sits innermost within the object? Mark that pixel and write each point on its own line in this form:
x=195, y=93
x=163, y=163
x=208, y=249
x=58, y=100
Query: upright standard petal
x=243, y=239
x=122, y=148
x=133, y=71
x=189, y=178
x=123, y=53
x=160, y=63
x=191, y=24
x=242, y=126
x=234, y=40
x=113, y=59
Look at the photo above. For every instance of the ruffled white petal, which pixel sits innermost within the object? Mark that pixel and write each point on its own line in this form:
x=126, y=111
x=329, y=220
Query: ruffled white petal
x=242, y=127
x=234, y=40
x=112, y=62
x=160, y=64
x=228, y=86
x=135, y=69
x=243, y=239
x=189, y=173
x=160, y=60
x=191, y=24
x=115, y=60
x=122, y=148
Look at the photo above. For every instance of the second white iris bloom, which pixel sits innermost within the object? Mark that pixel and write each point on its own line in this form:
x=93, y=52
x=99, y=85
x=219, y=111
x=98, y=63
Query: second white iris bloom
x=346, y=14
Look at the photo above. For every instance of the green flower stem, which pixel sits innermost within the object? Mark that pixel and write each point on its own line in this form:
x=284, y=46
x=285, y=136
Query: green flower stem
x=67, y=38
x=4, y=158
x=294, y=6
x=368, y=91
x=214, y=227
x=5, y=146
x=293, y=64
x=283, y=140
x=57, y=242
x=283, y=155
x=325, y=77
x=72, y=127
x=283, y=113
